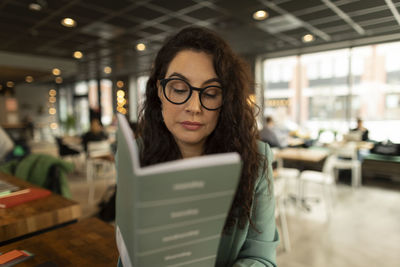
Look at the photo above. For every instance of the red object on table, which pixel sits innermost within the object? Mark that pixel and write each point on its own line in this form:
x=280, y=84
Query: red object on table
x=32, y=194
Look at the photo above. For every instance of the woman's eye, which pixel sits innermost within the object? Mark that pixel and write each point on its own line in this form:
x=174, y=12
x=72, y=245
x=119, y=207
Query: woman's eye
x=212, y=93
x=178, y=85
x=209, y=95
x=180, y=91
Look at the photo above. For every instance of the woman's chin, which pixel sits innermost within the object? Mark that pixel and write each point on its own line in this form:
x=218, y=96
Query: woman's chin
x=191, y=140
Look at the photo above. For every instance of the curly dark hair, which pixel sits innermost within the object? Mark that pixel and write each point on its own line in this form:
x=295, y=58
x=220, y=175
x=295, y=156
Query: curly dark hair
x=236, y=130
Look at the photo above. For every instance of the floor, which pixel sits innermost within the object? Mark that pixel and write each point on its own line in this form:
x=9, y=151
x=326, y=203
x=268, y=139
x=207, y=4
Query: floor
x=80, y=191
x=364, y=229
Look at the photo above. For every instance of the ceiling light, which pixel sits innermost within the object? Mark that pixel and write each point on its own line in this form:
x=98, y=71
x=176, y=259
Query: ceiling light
x=35, y=6
x=78, y=54
x=52, y=92
x=120, y=93
x=29, y=79
x=308, y=38
x=68, y=22
x=56, y=71
x=107, y=70
x=120, y=84
x=10, y=84
x=59, y=80
x=140, y=47
x=260, y=15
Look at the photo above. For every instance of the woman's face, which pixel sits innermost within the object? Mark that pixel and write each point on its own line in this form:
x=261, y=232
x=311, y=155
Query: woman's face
x=190, y=123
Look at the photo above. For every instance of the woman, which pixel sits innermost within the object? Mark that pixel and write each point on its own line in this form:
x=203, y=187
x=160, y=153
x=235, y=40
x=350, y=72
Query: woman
x=95, y=133
x=361, y=129
x=196, y=104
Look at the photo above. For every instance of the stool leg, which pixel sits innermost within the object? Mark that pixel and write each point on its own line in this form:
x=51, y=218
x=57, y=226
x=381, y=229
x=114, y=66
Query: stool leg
x=284, y=225
x=90, y=173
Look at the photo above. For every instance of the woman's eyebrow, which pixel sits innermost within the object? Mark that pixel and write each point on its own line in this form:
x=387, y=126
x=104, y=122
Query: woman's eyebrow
x=186, y=79
x=212, y=80
x=178, y=75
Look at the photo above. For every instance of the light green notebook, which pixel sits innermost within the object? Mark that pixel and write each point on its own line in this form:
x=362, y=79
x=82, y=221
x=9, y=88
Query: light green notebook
x=173, y=213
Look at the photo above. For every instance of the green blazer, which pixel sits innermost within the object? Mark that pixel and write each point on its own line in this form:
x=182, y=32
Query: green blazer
x=247, y=246
x=35, y=169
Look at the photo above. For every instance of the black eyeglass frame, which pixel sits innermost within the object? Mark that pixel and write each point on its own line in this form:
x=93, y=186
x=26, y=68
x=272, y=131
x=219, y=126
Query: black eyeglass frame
x=164, y=82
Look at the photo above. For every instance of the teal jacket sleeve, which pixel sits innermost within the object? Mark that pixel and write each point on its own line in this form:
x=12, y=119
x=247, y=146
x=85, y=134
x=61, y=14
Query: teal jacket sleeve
x=259, y=248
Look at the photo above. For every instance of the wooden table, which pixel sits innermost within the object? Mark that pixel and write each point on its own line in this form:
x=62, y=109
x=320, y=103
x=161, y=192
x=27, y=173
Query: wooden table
x=365, y=145
x=302, y=154
x=295, y=142
x=359, y=145
x=36, y=215
x=302, y=158
x=13, y=126
x=90, y=242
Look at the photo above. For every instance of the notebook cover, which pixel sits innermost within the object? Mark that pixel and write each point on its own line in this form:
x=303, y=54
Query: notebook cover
x=172, y=213
x=34, y=193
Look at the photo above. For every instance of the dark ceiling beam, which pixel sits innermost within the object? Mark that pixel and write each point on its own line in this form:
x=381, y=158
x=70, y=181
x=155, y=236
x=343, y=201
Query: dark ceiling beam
x=306, y=25
x=177, y=14
x=394, y=10
x=77, y=30
x=4, y=3
x=309, y=10
x=333, y=46
x=344, y=16
x=375, y=21
x=53, y=14
x=280, y=36
x=335, y=18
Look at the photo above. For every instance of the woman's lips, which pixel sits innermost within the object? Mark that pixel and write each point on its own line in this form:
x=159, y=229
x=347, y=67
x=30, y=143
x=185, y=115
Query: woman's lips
x=190, y=125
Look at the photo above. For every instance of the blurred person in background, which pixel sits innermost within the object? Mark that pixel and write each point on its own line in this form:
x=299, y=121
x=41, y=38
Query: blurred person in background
x=29, y=127
x=268, y=133
x=360, y=128
x=95, y=133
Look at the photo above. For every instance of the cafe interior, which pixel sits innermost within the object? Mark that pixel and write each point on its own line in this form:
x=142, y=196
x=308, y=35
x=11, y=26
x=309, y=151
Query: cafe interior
x=326, y=72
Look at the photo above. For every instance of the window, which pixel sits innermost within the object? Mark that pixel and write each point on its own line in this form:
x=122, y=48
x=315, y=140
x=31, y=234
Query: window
x=322, y=91
x=80, y=107
x=141, y=89
x=279, y=99
x=106, y=101
x=93, y=95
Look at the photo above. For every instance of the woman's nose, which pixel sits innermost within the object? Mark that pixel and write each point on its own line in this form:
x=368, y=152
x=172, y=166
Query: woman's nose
x=193, y=104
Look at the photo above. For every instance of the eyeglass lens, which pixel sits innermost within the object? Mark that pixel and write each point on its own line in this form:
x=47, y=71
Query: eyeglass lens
x=178, y=92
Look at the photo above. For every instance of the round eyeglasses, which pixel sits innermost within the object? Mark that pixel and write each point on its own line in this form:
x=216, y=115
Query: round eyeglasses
x=178, y=91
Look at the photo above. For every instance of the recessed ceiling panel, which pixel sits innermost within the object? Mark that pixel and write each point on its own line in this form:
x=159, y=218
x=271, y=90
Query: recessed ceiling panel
x=119, y=25
x=173, y=5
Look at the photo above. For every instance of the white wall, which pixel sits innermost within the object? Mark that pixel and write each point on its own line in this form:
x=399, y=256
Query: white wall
x=32, y=97
x=33, y=102
x=68, y=67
